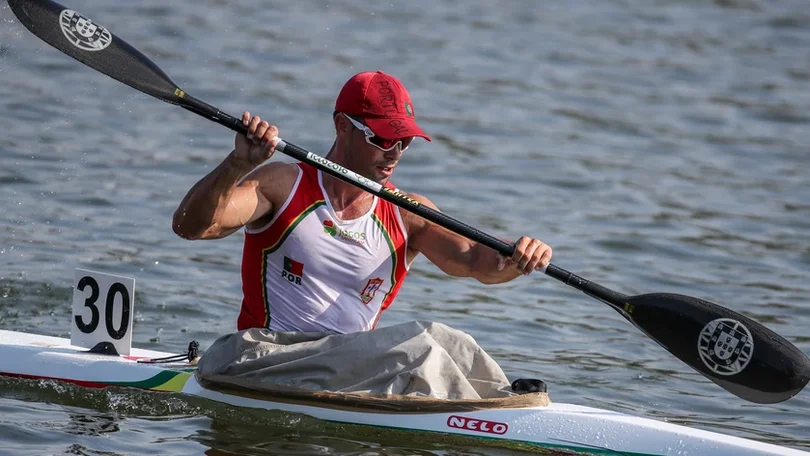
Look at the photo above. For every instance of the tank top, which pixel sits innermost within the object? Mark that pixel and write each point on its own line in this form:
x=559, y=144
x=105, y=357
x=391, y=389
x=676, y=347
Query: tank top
x=308, y=270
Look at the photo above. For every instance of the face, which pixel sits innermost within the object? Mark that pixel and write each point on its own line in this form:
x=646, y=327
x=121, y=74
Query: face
x=366, y=151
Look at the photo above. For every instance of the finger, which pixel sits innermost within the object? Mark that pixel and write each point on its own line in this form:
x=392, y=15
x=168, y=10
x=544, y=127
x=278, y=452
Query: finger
x=540, y=258
x=526, y=266
x=518, y=253
x=268, y=135
x=261, y=129
x=519, y=257
x=532, y=255
x=544, y=262
x=271, y=142
x=254, y=123
x=245, y=118
x=271, y=146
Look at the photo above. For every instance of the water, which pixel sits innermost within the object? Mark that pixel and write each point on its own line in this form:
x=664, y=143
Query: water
x=657, y=146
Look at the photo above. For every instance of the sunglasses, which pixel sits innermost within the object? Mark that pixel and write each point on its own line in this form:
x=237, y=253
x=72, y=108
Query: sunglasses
x=380, y=143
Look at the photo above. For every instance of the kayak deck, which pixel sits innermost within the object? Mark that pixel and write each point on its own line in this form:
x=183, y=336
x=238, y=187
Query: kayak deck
x=556, y=426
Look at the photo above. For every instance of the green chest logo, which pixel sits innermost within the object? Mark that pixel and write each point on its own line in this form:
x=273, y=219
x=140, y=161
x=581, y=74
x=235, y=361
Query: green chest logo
x=355, y=237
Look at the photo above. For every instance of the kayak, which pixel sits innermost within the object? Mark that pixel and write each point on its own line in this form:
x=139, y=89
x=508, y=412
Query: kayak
x=556, y=426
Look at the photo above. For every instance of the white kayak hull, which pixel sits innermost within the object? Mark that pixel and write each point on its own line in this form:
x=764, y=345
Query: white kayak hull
x=556, y=426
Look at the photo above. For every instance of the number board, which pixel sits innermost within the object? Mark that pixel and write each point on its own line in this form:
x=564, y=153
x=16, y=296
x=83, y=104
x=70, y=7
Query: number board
x=102, y=310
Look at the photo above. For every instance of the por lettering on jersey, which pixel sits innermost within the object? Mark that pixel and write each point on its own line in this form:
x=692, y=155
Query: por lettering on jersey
x=470, y=424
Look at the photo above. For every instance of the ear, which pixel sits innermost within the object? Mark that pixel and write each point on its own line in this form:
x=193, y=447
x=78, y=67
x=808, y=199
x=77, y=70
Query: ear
x=342, y=124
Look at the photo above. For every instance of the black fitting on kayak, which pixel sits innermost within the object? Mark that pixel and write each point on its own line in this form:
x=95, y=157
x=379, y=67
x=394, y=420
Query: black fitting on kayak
x=529, y=385
x=104, y=348
x=193, y=350
x=190, y=355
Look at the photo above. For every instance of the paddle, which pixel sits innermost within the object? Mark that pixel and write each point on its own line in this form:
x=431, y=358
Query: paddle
x=732, y=350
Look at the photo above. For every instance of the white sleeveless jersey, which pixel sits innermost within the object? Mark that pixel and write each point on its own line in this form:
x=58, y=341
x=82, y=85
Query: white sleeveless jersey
x=307, y=270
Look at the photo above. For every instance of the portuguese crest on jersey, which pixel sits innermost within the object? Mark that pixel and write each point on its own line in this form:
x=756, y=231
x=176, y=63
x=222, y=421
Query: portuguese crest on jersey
x=82, y=32
x=725, y=346
x=370, y=289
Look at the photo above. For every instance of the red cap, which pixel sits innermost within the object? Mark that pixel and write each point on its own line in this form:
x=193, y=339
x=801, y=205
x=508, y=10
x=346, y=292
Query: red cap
x=382, y=103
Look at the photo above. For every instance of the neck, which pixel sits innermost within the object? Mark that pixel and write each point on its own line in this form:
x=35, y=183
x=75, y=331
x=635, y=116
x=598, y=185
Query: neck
x=341, y=194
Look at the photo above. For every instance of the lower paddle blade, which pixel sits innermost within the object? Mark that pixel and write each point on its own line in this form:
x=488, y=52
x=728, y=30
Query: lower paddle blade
x=93, y=45
x=732, y=350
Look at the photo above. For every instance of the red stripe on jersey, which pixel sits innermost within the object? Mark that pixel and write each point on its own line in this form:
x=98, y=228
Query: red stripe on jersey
x=255, y=312
x=387, y=215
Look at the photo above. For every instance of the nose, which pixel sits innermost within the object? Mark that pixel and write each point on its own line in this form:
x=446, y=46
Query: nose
x=395, y=153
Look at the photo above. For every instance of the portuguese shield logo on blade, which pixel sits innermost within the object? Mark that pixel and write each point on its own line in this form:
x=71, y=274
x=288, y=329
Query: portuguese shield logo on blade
x=725, y=346
x=82, y=32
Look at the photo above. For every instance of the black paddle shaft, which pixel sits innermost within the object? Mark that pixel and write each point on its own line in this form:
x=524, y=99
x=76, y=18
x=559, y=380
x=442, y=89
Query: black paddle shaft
x=732, y=350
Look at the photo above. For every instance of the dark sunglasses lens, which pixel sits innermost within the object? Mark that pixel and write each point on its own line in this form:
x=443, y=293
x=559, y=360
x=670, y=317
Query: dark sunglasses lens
x=389, y=143
x=383, y=143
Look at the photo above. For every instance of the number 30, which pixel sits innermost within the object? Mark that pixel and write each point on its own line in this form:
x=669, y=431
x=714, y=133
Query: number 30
x=115, y=289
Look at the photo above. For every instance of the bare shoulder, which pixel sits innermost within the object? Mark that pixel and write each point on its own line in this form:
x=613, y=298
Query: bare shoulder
x=275, y=170
x=273, y=181
x=272, y=177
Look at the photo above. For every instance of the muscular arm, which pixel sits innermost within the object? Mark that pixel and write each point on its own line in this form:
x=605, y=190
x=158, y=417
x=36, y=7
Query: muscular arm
x=237, y=192
x=231, y=196
x=461, y=257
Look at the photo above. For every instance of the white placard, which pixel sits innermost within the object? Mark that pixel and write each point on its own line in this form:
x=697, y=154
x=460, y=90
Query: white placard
x=102, y=310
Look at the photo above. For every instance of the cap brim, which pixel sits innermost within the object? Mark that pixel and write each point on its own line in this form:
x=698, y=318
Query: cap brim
x=395, y=128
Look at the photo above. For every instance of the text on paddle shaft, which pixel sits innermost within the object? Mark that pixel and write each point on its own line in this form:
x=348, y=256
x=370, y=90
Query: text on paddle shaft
x=116, y=289
x=350, y=175
x=401, y=196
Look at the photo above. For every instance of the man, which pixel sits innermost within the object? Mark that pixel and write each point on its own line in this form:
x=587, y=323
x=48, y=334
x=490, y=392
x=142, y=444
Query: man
x=319, y=253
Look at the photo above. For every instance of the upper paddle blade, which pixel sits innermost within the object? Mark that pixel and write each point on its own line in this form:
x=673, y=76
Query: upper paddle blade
x=732, y=350
x=93, y=45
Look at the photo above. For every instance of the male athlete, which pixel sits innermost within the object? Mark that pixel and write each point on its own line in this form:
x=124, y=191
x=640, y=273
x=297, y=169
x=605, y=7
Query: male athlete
x=319, y=253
